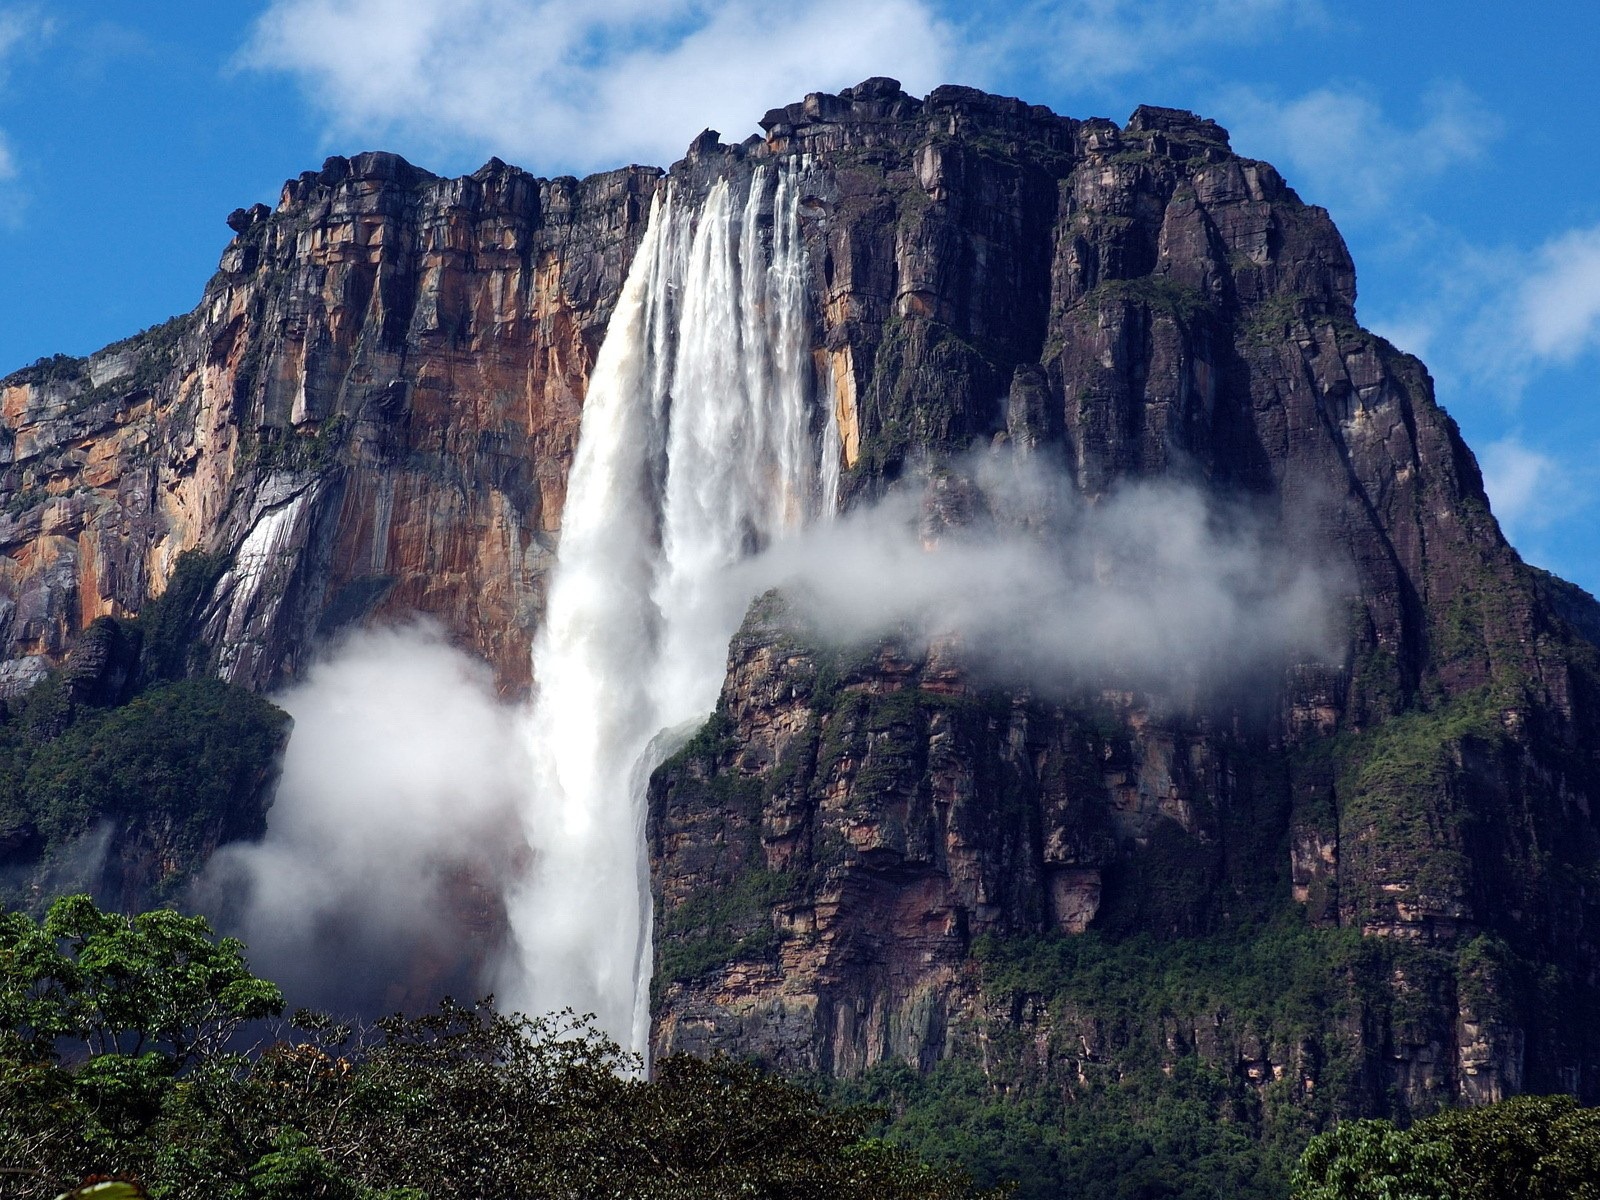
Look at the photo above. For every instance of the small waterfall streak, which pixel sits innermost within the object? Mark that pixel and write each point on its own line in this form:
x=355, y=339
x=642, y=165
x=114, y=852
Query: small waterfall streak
x=832, y=447
x=696, y=449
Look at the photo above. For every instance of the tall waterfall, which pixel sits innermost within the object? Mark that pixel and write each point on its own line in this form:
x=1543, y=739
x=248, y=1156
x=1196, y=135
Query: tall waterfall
x=697, y=448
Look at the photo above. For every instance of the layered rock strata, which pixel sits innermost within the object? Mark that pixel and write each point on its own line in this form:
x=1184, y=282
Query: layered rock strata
x=372, y=411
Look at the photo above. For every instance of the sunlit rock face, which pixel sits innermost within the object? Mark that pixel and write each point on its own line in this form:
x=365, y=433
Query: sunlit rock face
x=374, y=409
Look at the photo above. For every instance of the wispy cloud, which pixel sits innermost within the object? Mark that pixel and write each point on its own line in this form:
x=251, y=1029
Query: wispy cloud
x=558, y=85
x=1510, y=334
x=1089, y=42
x=1559, y=310
x=16, y=24
x=1450, y=279
x=562, y=86
x=1527, y=487
x=1157, y=584
x=20, y=28
x=1538, y=495
x=1491, y=319
x=1344, y=151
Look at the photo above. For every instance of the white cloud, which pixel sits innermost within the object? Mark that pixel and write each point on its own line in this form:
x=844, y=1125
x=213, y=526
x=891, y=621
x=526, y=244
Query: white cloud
x=15, y=26
x=1559, y=309
x=1091, y=41
x=1540, y=498
x=1527, y=488
x=1490, y=320
x=563, y=86
x=1450, y=283
x=20, y=29
x=1343, y=151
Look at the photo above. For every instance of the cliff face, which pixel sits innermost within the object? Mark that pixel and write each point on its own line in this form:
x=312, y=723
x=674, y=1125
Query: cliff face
x=372, y=411
x=836, y=853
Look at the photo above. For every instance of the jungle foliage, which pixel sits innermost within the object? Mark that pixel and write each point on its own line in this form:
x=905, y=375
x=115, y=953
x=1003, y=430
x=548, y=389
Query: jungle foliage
x=1525, y=1148
x=120, y=1055
x=123, y=738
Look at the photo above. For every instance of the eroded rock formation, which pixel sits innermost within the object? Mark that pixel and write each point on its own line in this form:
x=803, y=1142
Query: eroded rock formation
x=372, y=411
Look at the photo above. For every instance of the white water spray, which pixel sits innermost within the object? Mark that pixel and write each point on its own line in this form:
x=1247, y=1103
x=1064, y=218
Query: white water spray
x=696, y=449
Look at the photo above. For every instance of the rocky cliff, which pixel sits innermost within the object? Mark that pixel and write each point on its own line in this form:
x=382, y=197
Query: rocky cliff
x=371, y=411
x=858, y=859
x=870, y=857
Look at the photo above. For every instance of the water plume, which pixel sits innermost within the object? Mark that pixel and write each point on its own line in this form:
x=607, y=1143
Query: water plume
x=701, y=444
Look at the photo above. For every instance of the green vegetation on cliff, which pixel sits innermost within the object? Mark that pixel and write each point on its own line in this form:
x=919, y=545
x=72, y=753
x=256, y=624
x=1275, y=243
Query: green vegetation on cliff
x=188, y=755
x=1139, y=1067
x=123, y=740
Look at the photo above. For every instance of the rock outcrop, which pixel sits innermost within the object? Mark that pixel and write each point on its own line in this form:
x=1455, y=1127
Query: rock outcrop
x=1136, y=301
x=372, y=411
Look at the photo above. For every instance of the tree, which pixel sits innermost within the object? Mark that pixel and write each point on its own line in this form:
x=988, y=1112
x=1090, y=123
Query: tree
x=99, y=1015
x=1372, y=1160
x=121, y=985
x=463, y=1102
x=1525, y=1148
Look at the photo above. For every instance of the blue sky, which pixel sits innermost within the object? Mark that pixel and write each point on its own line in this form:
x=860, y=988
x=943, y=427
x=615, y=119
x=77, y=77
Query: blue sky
x=1454, y=143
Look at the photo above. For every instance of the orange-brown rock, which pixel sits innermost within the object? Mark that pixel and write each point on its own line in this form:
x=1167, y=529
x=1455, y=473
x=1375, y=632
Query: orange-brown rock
x=371, y=411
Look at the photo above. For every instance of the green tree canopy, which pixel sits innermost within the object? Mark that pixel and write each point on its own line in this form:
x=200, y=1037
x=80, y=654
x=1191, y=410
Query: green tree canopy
x=115, y=984
x=1525, y=1148
x=113, y=1063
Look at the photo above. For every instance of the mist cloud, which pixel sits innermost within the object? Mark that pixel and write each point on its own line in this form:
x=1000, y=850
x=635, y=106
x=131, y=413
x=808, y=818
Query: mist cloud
x=393, y=832
x=1157, y=585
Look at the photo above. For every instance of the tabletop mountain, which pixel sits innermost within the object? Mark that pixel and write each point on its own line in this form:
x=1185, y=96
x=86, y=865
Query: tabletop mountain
x=1365, y=886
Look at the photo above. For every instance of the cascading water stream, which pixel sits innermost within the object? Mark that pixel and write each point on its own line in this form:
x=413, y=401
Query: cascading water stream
x=696, y=449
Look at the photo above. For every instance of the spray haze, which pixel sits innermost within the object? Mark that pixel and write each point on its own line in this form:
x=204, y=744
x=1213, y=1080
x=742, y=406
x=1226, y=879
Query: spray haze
x=393, y=825
x=1157, y=585
x=413, y=799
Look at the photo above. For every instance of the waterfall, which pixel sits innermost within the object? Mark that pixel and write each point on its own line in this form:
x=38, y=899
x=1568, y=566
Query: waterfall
x=696, y=449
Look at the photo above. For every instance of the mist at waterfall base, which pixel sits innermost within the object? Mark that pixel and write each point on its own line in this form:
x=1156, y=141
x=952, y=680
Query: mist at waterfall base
x=392, y=834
